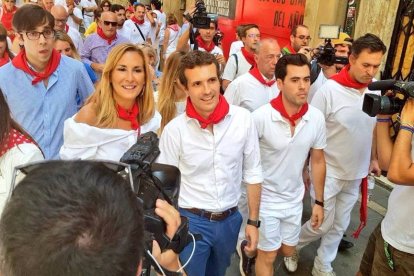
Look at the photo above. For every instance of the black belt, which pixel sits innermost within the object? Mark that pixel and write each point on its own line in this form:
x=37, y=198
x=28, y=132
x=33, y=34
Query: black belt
x=215, y=216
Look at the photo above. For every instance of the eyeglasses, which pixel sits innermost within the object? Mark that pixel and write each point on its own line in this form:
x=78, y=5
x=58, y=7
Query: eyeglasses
x=302, y=37
x=113, y=24
x=253, y=35
x=34, y=35
x=122, y=169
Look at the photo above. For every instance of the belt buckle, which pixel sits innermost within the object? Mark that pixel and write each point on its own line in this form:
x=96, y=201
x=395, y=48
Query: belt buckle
x=212, y=215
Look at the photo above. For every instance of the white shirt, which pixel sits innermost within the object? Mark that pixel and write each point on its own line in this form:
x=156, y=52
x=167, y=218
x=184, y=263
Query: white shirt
x=87, y=4
x=161, y=17
x=76, y=38
x=88, y=142
x=233, y=69
x=172, y=42
x=132, y=31
x=76, y=12
x=16, y=156
x=246, y=91
x=216, y=50
x=283, y=155
x=349, y=130
x=320, y=80
x=235, y=47
x=212, y=165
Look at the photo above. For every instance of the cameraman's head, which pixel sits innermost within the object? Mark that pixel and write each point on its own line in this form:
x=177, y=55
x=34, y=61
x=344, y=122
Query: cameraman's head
x=250, y=35
x=342, y=46
x=299, y=37
x=72, y=218
x=365, y=59
x=207, y=35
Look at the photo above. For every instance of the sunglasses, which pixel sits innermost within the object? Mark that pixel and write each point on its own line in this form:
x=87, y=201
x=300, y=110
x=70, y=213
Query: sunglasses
x=113, y=24
x=122, y=169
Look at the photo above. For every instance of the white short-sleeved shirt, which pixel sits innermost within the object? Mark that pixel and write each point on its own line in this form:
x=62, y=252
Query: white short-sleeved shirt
x=212, y=165
x=246, y=91
x=88, y=142
x=87, y=4
x=320, y=80
x=76, y=38
x=78, y=13
x=235, y=47
x=349, y=130
x=233, y=69
x=132, y=31
x=283, y=155
x=216, y=50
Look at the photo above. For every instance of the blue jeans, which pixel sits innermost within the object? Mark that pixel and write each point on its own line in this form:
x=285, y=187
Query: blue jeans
x=213, y=252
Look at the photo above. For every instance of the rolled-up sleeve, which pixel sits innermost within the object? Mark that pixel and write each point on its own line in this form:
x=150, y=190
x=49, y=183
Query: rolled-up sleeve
x=252, y=168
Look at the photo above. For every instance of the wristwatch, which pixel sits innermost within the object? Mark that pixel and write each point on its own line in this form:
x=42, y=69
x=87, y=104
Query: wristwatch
x=255, y=223
x=320, y=203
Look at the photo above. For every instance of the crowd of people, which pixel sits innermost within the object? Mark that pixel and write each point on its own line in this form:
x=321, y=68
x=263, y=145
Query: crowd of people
x=250, y=135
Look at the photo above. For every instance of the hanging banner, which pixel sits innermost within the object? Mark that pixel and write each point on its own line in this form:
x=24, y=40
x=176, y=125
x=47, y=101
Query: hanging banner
x=226, y=8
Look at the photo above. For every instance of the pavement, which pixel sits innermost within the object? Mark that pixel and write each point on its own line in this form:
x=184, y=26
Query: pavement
x=347, y=262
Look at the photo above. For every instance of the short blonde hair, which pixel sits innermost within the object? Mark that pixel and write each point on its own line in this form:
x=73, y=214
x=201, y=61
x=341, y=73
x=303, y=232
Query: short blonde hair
x=103, y=96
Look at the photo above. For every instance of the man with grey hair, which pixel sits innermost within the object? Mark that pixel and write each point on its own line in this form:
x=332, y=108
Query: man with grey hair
x=61, y=18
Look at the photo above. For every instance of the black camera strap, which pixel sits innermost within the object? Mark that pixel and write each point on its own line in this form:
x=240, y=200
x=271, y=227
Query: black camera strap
x=143, y=38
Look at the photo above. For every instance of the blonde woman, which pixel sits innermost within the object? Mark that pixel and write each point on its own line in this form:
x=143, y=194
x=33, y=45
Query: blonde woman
x=119, y=110
x=171, y=95
x=65, y=46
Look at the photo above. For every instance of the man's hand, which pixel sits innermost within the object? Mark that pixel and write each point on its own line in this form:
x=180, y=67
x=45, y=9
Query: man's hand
x=306, y=50
x=317, y=216
x=407, y=114
x=98, y=67
x=252, y=237
x=374, y=167
x=220, y=59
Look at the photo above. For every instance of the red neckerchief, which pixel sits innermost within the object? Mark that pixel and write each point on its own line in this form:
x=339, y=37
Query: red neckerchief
x=66, y=28
x=136, y=20
x=174, y=27
x=290, y=49
x=5, y=59
x=277, y=104
x=256, y=73
x=363, y=210
x=221, y=110
x=130, y=115
x=343, y=78
x=100, y=32
x=14, y=138
x=20, y=62
x=202, y=44
x=7, y=18
x=248, y=56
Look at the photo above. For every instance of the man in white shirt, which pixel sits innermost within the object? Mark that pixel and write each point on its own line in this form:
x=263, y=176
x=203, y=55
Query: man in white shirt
x=61, y=17
x=88, y=7
x=75, y=15
x=137, y=28
x=242, y=61
x=120, y=15
x=349, y=156
x=288, y=129
x=215, y=146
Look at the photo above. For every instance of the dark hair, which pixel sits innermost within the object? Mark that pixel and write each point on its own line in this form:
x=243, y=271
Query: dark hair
x=139, y=5
x=29, y=17
x=117, y=7
x=294, y=59
x=295, y=29
x=171, y=19
x=369, y=42
x=105, y=2
x=58, y=222
x=157, y=4
x=246, y=28
x=3, y=37
x=97, y=13
x=239, y=30
x=194, y=59
x=7, y=123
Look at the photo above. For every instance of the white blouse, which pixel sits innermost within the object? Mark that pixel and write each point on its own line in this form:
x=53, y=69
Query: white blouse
x=82, y=141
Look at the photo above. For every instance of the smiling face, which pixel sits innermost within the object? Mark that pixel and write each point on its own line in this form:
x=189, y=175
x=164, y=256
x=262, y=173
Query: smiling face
x=128, y=79
x=140, y=12
x=9, y=4
x=295, y=86
x=203, y=88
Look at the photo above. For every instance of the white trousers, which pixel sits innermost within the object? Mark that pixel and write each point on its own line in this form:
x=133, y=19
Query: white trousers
x=340, y=197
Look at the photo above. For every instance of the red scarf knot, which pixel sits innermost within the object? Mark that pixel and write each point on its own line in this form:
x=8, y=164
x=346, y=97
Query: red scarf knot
x=174, y=27
x=277, y=104
x=20, y=62
x=136, y=20
x=130, y=115
x=13, y=139
x=345, y=79
x=202, y=44
x=256, y=73
x=221, y=110
x=100, y=32
x=363, y=210
x=248, y=56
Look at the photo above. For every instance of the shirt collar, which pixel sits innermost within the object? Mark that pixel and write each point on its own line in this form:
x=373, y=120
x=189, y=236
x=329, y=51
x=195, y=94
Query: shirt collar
x=275, y=115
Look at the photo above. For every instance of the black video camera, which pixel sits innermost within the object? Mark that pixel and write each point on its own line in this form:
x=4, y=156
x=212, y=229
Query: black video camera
x=325, y=54
x=374, y=104
x=153, y=181
x=199, y=19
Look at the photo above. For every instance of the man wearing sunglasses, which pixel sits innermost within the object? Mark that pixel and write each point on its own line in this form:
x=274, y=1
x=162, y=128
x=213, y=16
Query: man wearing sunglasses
x=88, y=223
x=299, y=42
x=61, y=18
x=46, y=88
x=98, y=45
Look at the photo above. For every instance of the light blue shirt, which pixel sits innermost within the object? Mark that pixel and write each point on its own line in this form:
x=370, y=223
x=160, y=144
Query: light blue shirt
x=42, y=111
